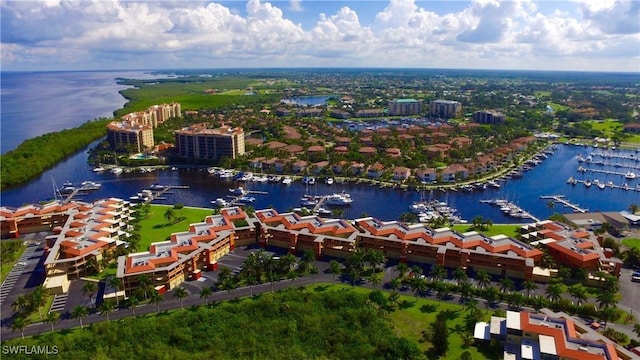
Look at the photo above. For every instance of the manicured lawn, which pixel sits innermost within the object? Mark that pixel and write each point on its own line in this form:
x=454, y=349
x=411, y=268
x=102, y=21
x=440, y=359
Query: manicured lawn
x=506, y=229
x=156, y=228
x=631, y=242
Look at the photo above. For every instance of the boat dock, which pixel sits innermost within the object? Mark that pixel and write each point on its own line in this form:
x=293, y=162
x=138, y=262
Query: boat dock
x=561, y=200
x=510, y=209
x=583, y=169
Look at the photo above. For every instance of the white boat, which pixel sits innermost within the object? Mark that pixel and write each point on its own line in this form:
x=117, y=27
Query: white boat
x=323, y=211
x=90, y=185
x=226, y=174
x=237, y=191
x=630, y=175
x=339, y=199
x=494, y=184
x=246, y=199
x=601, y=185
x=329, y=181
x=156, y=187
x=98, y=169
x=286, y=181
x=587, y=183
x=116, y=170
x=220, y=202
x=310, y=180
x=211, y=170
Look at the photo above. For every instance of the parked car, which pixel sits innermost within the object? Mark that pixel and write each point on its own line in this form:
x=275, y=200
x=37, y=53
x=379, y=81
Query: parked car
x=635, y=276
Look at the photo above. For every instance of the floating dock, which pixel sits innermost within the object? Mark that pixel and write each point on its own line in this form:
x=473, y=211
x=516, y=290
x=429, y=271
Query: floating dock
x=561, y=200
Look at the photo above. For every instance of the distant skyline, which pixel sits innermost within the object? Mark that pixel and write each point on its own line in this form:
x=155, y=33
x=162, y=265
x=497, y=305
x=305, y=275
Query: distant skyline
x=580, y=35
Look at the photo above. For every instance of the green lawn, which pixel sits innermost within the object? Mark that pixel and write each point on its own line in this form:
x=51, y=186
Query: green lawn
x=506, y=229
x=155, y=228
x=631, y=242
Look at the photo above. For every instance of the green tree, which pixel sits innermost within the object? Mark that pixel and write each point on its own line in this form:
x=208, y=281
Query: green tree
x=334, y=269
x=205, y=293
x=132, y=302
x=106, y=308
x=529, y=286
x=180, y=293
x=156, y=298
x=483, y=279
x=18, y=324
x=51, y=318
x=554, y=292
x=579, y=293
x=89, y=288
x=80, y=312
x=439, y=338
x=506, y=285
x=169, y=215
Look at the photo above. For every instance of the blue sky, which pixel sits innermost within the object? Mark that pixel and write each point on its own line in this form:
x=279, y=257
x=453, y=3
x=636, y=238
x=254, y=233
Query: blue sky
x=600, y=35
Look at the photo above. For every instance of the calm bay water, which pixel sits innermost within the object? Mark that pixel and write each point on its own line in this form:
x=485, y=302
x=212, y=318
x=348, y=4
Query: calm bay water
x=546, y=179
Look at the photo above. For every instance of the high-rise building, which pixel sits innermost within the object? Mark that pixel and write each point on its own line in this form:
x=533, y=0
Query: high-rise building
x=134, y=136
x=488, y=117
x=197, y=141
x=400, y=107
x=445, y=108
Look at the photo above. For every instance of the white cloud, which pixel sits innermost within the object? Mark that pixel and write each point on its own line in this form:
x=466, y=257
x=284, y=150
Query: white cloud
x=487, y=33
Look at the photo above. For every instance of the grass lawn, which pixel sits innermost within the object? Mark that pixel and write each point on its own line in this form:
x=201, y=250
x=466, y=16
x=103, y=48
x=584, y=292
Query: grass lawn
x=150, y=232
x=6, y=266
x=631, y=242
x=506, y=229
x=35, y=317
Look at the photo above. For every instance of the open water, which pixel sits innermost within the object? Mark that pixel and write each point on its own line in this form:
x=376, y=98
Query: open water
x=548, y=178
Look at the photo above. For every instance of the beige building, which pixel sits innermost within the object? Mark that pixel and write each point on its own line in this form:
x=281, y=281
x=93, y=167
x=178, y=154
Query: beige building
x=200, y=142
x=445, y=108
x=130, y=135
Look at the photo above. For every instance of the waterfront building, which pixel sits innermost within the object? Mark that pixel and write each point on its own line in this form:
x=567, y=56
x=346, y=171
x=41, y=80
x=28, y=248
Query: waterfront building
x=198, y=141
x=445, y=108
x=403, y=107
x=131, y=136
x=89, y=233
x=488, y=117
x=154, y=115
x=547, y=335
x=33, y=218
x=167, y=264
x=574, y=248
x=369, y=113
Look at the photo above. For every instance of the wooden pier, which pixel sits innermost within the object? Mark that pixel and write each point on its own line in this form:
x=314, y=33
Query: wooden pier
x=561, y=199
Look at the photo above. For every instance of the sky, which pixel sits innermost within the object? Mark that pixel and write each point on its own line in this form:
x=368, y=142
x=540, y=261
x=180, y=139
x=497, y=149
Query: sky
x=582, y=35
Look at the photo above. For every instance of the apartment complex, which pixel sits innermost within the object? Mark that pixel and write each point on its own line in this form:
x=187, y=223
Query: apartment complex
x=401, y=107
x=575, y=248
x=154, y=115
x=83, y=233
x=169, y=263
x=488, y=117
x=445, y=108
x=131, y=136
x=527, y=335
x=135, y=130
x=198, y=141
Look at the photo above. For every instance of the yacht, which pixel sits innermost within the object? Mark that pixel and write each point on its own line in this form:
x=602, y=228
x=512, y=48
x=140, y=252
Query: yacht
x=237, y=191
x=286, y=181
x=310, y=180
x=322, y=211
x=587, y=183
x=116, y=170
x=246, y=199
x=309, y=200
x=630, y=175
x=90, y=185
x=329, y=181
x=98, y=169
x=156, y=187
x=220, y=202
x=340, y=199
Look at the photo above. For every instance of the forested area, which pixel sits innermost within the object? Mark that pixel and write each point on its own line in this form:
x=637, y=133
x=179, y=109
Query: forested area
x=35, y=155
x=283, y=325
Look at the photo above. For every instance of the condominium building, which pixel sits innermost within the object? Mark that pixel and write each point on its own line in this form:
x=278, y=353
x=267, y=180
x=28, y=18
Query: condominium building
x=488, y=117
x=445, y=108
x=154, y=115
x=90, y=232
x=169, y=263
x=200, y=142
x=527, y=335
x=131, y=136
x=400, y=107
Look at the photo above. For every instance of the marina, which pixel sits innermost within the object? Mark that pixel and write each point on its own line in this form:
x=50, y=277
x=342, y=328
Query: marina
x=561, y=200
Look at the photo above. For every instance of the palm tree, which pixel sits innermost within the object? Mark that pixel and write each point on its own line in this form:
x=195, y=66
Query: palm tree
x=402, y=269
x=156, y=298
x=51, y=318
x=374, y=279
x=506, y=284
x=79, y=312
x=38, y=298
x=132, y=303
x=633, y=208
x=437, y=273
x=554, y=292
x=145, y=284
x=529, y=286
x=579, y=293
x=169, y=215
x=115, y=283
x=459, y=275
x=205, y=292
x=636, y=329
x=107, y=307
x=334, y=269
x=22, y=303
x=19, y=323
x=395, y=284
x=606, y=299
x=313, y=270
x=180, y=293
x=89, y=288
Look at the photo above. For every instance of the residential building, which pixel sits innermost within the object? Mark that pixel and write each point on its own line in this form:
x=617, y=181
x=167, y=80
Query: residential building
x=154, y=115
x=445, y=109
x=402, y=107
x=549, y=335
x=488, y=117
x=131, y=136
x=198, y=141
